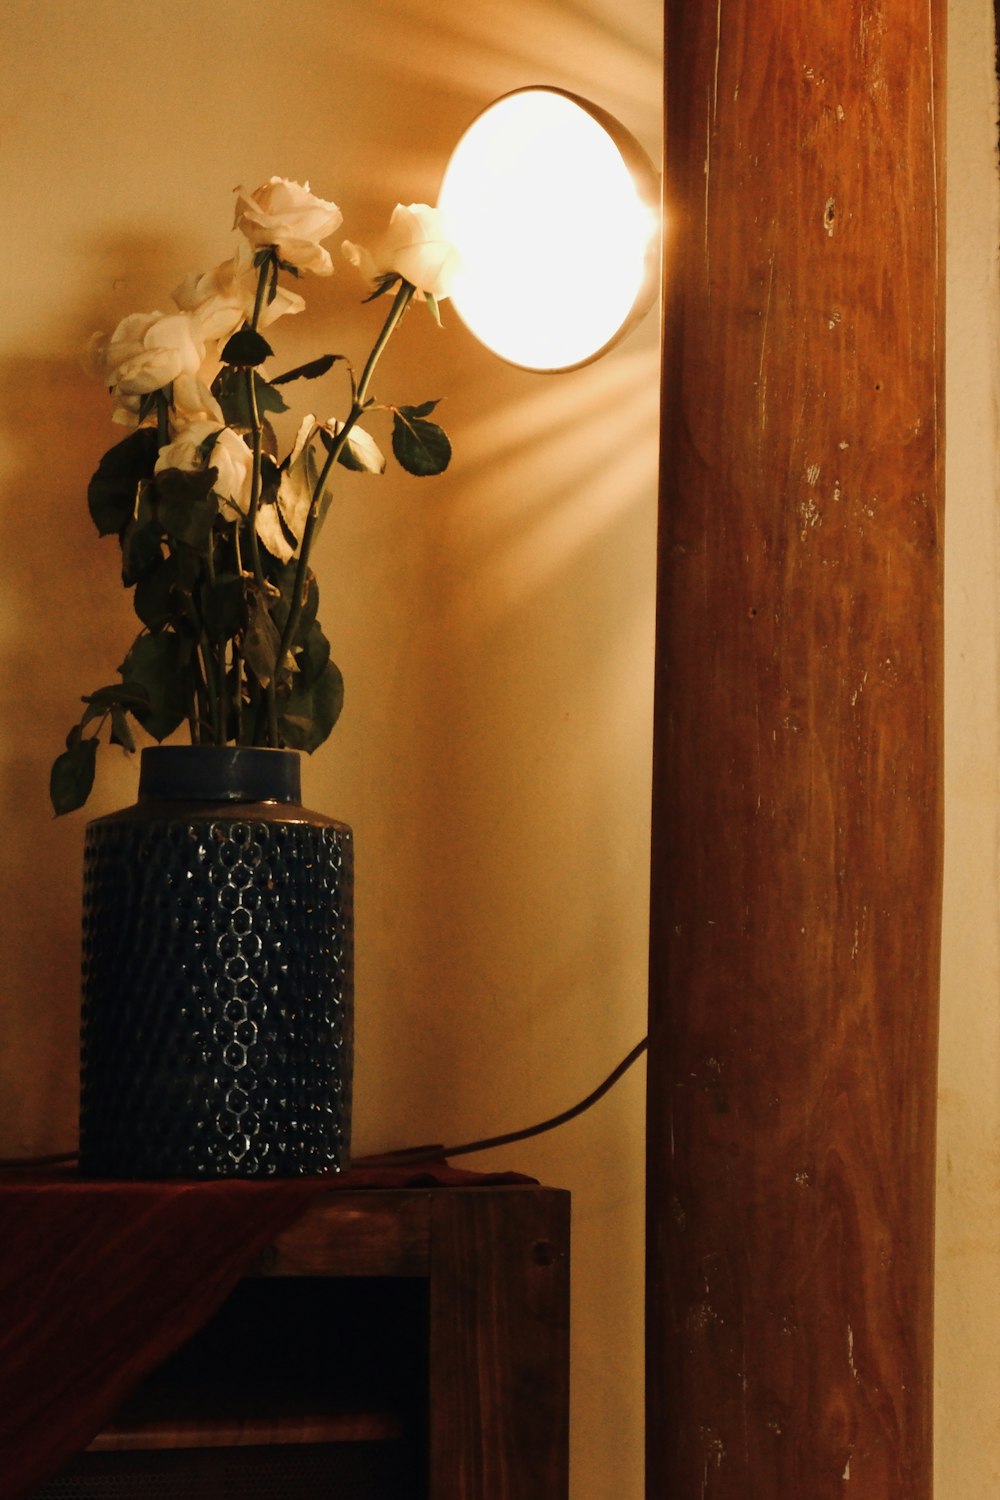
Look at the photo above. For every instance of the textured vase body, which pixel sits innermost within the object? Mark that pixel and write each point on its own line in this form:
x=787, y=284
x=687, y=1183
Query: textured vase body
x=217, y=1029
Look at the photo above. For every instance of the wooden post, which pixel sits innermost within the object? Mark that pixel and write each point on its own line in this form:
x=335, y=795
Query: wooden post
x=797, y=785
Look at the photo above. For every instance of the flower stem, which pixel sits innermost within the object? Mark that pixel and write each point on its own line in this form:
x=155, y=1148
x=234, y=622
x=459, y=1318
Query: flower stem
x=211, y=688
x=238, y=693
x=255, y=484
x=266, y=273
x=256, y=428
x=401, y=302
x=220, y=658
x=198, y=706
x=237, y=653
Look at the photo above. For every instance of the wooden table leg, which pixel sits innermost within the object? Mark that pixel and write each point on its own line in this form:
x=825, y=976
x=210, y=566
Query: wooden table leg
x=499, y=1345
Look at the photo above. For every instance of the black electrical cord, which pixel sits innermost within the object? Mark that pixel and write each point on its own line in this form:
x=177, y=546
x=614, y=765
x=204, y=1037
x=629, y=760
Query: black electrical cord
x=413, y=1155
x=438, y=1153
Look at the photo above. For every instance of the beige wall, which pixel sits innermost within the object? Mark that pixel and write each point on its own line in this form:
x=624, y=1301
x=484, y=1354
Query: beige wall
x=968, y=1257
x=494, y=627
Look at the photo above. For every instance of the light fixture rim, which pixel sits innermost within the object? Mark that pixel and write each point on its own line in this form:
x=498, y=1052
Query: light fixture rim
x=648, y=183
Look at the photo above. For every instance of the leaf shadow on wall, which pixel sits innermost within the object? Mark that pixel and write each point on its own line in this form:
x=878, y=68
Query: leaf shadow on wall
x=53, y=619
x=65, y=624
x=503, y=898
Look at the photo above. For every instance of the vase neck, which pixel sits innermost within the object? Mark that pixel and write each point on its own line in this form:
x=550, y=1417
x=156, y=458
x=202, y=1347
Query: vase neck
x=219, y=773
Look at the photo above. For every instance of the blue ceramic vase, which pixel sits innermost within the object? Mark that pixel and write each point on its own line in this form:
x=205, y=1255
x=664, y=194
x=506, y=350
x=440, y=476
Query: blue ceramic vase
x=218, y=1005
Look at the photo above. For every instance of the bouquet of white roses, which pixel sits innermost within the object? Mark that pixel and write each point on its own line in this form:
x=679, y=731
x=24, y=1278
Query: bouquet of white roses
x=215, y=530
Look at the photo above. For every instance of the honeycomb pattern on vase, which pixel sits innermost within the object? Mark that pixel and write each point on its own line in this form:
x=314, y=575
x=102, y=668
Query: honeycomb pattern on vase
x=218, y=998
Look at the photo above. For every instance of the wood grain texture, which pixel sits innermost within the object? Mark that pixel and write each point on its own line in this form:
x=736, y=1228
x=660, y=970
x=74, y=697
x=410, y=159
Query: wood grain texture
x=499, y=1346
x=276, y=1429
x=797, y=766
x=370, y=1233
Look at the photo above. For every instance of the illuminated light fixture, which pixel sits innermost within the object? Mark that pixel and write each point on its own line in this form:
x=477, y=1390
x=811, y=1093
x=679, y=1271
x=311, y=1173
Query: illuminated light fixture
x=555, y=209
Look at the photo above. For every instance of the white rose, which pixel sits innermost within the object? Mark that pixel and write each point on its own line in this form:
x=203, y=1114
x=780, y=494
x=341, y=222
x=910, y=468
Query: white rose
x=216, y=300
x=289, y=217
x=185, y=451
x=414, y=247
x=106, y=352
x=221, y=301
x=126, y=411
x=194, y=402
x=146, y=352
x=234, y=462
x=228, y=455
x=171, y=346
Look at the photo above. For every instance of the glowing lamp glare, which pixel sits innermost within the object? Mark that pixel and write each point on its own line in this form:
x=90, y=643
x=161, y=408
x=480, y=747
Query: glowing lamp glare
x=557, y=230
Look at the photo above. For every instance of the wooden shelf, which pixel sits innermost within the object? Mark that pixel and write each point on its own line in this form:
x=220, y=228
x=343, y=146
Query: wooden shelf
x=405, y=1344
x=299, y=1360
x=208, y=1430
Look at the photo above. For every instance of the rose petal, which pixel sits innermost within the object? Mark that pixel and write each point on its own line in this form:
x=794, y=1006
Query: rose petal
x=149, y=370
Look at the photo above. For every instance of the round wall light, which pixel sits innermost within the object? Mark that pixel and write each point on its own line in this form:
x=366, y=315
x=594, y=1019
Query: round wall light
x=555, y=209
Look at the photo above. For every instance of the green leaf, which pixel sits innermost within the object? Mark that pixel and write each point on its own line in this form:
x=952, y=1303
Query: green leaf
x=310, y=710
x=267, y=515
x=230, y=390
x=118, y=694
x=141, y=541
x=118, y=699
x=360, y=451
x=246, y=348
x=280, y=608
x=295, y=494
x=111, y=494
x=160, y=667
x=269, y=400
x=314, y=654
x=141, y=551
x=189, y=570
x=421, y=447
x=270, y=478
x=121, y=734
x=72, y=776
x=384, y=284
x=185, y=505
x=222, y=606
x=153, y=598
x=268, y=436
x=261, y=642
x=91, y=712
x=274, y=538
x=311, y=371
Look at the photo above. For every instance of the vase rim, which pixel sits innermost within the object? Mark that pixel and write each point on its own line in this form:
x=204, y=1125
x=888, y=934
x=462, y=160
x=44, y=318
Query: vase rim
x=219, y=773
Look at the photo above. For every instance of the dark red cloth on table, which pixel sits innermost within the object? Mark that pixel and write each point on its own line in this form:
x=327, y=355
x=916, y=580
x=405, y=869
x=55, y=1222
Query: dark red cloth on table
x=101, y=1281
